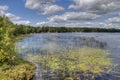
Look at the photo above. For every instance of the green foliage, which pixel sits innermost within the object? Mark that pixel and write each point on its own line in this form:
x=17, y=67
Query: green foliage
x=11, y=66
x=22, y=71
x=6, y=46
x=86, y=61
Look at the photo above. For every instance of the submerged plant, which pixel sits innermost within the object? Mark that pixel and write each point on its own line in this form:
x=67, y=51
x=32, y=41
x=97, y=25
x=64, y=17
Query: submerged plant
x=80, y=63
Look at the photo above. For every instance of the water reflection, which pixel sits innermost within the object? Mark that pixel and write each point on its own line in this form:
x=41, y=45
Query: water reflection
x=52, y=43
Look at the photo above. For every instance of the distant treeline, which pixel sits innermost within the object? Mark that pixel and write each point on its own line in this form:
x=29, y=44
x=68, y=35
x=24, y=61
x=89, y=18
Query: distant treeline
x=22, y=29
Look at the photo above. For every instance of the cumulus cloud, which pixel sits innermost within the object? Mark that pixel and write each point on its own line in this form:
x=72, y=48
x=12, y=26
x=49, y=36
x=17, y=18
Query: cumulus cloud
x=97, y=25
x=73, y=16
x=41, y=23
x=96, y=6
x=92, y=25
x=45, y=7
x=22, y=22
x=114, y=20
x=15, y=19
x=12, y=16
x=37, y=4
x=79, y=24
x=52, y=9
x=46, y=23
x=3, y=9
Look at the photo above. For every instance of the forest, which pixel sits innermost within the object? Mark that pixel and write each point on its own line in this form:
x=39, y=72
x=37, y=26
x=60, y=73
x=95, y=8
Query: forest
x=22, y=29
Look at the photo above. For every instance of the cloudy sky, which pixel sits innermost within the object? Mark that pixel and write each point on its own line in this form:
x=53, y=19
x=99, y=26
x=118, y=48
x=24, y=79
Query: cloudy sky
x=69, y=13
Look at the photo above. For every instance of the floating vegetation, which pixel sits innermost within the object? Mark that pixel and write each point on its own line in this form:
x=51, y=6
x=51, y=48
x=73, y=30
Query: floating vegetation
x=78, y=63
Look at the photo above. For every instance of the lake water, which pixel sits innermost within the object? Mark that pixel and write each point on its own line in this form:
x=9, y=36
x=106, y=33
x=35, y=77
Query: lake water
x=45, y=43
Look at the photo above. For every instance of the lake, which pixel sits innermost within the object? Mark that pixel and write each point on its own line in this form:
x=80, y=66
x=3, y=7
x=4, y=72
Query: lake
x=45, y=43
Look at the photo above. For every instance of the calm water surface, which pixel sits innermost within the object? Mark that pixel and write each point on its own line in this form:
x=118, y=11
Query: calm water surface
x=38, y=44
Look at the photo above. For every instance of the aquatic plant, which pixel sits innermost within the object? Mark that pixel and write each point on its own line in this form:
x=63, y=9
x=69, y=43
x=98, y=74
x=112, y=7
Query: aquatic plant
x=79, y=63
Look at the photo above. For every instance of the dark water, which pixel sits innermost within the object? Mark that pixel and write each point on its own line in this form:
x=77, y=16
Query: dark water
x=38, y=44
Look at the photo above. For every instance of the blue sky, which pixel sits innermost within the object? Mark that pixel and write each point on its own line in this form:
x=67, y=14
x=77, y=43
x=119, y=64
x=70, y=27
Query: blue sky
x=68, y=13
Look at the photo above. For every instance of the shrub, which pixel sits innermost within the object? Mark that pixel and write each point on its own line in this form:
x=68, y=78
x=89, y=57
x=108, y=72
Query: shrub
x=22, y=71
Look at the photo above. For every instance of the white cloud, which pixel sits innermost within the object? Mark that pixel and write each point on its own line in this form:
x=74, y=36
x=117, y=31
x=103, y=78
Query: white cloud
x=15, y=19
x=114, y=20
x=41, y=23
x=3, y=9
x=45, y=7
x=37, y=4
x=12, y=16
x=46, y=23
x=92, y=25
x=73, y=16
x=79, y=24
x=96, y=6
x=52, y=9
x=23, y=22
